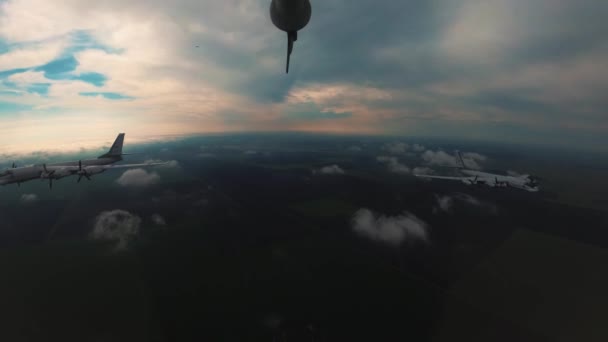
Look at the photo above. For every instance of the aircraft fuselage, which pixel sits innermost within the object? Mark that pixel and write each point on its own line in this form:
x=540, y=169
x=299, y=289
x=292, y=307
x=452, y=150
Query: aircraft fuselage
x=20, y=174
x=496, y=180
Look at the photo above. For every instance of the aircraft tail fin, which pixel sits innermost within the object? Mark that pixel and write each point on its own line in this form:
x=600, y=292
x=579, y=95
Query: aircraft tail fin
x=460, y=160
x=116, y=149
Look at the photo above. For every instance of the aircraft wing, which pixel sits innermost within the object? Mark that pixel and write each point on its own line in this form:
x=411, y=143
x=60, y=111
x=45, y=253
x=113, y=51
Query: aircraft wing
x=443, y=177
x=126, y=166
x=105, y=167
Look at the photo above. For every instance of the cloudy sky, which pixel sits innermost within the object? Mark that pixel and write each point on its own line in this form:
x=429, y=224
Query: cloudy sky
x=76, y=72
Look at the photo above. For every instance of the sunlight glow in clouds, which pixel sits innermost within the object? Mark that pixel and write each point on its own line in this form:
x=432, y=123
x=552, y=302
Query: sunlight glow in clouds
x=503, y=70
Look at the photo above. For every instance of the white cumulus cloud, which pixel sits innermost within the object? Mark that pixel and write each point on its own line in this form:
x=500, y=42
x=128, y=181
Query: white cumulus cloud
x=421, y=170
x=447, y=203
x=393, y=164
x=158, y=220
x=330, y=170
x=468, y=199
x=116, y=225
x=418, y=148
x=393, y=230
x=29, y=198
x=444, y=203
x=138, y=178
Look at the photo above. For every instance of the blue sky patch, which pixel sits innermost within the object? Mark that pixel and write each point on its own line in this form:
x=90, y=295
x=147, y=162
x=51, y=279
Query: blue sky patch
x=93, y=78
x=84, y=40
x=11, y=107
x=107, y=95
x=8, y=73
x=58, y=67
x=39, y=88
x=8, y=84
x=10, y=92
x=4, y=46
x=62, y=67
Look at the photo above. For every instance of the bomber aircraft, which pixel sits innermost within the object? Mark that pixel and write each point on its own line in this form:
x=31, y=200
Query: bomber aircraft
x=81, y=168
x=476, y=177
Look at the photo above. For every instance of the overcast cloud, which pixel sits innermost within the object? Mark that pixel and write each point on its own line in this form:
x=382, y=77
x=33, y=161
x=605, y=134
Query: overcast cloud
x=505, y=70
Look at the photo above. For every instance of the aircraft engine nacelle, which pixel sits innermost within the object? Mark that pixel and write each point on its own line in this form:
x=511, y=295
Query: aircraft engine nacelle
x=54, y=174
x=290, y=15
x=93, y=170
x=61, y=173
x=88, y=171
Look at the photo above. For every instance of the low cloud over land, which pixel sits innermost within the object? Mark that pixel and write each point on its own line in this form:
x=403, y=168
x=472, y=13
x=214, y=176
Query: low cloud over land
x=393, y=164
x=116, y=225
x=418, y=148
x=447, y=203
x=330, y=170
x=158, y=220
x=138, y=178
x=396, y=148
x=29, y=198
x=392, y=230
x=420, y=170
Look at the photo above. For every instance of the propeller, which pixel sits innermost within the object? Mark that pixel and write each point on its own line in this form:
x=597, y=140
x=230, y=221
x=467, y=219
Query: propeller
x=82, y=172
x=48, y=175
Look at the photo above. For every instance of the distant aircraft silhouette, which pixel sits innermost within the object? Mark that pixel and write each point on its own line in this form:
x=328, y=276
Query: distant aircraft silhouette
x=475, y=177
x=81, y=168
